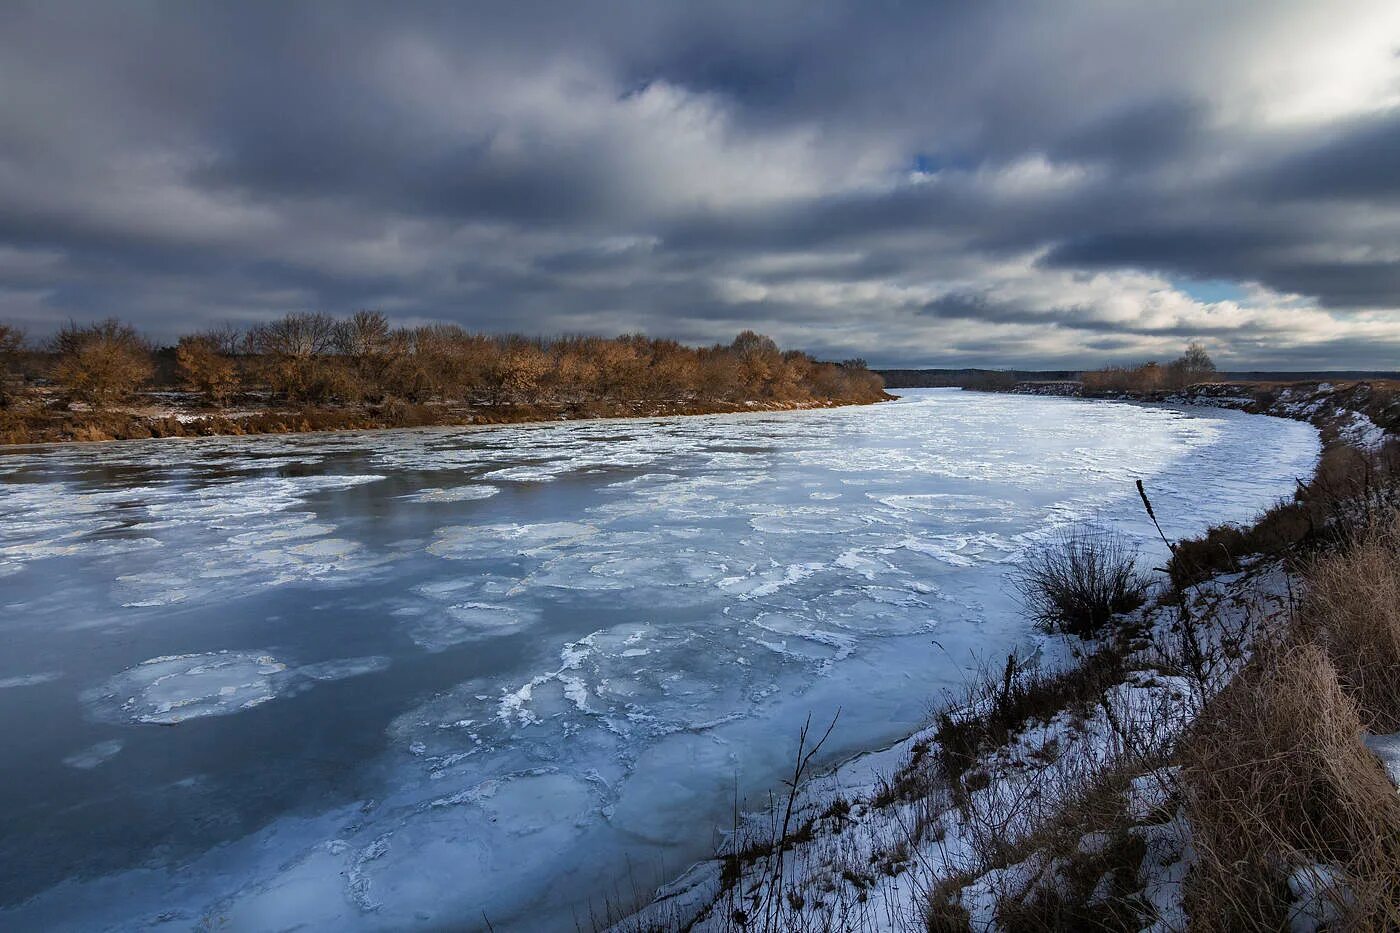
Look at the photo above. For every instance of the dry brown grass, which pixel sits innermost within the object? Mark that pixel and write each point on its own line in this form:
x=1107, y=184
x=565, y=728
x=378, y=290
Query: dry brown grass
x=1277, y=778
x=1352, y=608
x=1276, y=784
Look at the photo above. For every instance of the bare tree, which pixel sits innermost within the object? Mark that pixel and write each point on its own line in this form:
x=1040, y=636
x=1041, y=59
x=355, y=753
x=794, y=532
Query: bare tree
x=11, y=340
x=228, y=339
x=575, y=369
x=364, y=336
x=760, y=362
x=293, y=351
x=515, y=371
x=721, y=376
x=1193, y=366
x=297, y=336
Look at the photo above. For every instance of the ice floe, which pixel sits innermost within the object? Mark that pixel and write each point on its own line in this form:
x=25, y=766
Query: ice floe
x=477, y=542
x=28, y=680
x=169, y=690
x=454, y=493
x=94, y=755
x=436, y=629
x=173, y=689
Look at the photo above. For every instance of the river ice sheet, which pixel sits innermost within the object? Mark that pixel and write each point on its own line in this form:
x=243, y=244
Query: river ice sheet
x=418, y=678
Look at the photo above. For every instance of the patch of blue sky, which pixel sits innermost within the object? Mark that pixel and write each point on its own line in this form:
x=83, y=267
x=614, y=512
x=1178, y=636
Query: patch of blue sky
x=1210, y=290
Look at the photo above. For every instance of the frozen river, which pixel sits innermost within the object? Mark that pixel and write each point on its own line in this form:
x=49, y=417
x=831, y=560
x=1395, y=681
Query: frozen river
x=410, y=679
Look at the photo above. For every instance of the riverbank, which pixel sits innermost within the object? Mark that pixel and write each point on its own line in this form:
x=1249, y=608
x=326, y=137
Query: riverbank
x=1359, y=413
x=601, y=616
x=1077, y=788
x=173, y=414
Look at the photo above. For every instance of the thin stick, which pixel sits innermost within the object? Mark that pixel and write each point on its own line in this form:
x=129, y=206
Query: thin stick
x=1147, y=503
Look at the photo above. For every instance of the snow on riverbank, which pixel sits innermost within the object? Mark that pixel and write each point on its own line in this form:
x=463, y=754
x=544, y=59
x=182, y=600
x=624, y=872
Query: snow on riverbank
x=870, y=840
x=901, y=840
x=1345, y=413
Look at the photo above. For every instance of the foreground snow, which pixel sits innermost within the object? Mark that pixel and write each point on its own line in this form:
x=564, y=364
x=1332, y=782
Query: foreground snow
x=883, y=829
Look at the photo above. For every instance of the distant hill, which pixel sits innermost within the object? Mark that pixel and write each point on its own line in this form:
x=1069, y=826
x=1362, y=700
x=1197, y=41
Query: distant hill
x=935, y=378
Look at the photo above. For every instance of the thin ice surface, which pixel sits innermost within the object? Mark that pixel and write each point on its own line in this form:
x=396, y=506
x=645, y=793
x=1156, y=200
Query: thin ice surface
x=402, y=679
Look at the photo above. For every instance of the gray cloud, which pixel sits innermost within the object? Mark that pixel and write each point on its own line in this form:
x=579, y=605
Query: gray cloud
x=941, y=184
x=1357, y=161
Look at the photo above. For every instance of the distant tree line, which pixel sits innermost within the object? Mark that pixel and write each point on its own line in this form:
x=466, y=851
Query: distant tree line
x=317, y=359
x=1193, y=366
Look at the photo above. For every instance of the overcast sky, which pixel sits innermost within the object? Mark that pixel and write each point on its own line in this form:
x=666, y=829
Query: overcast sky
x=1047, y=184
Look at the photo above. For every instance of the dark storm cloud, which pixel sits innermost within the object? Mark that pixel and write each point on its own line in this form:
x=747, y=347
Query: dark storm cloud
x=1143, y=134
x=913, y=183
x=1361, y=161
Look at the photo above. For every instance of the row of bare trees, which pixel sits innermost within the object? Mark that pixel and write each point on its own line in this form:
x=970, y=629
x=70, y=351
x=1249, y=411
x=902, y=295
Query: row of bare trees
x=312, y=358
x=1193, y=366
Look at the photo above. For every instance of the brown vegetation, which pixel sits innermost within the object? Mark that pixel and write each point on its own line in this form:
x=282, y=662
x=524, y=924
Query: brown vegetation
x=205, y=369
x=1277, y=781
x=1352, y=609
x=1284, y=801
x=101, y=363
x=1193, y=366
x=306, y=371
x=11, y=341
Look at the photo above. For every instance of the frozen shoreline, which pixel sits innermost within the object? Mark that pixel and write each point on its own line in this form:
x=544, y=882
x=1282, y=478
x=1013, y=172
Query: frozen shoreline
x=845, y=868
x=168, y=423
x=685, y=590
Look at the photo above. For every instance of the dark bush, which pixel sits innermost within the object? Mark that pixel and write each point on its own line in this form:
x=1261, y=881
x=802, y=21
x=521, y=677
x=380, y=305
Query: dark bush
x=1079, y=580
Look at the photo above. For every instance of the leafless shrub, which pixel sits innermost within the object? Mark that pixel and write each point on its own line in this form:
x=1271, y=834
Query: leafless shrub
x=11, y=340
x=1081, y=579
